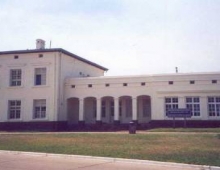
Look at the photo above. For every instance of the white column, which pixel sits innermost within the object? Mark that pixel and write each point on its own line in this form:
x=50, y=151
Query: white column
x=98, y=109
x=181, y=102
x=134, y=109
x=116, y=109
x=204, y=108
x=81, y=109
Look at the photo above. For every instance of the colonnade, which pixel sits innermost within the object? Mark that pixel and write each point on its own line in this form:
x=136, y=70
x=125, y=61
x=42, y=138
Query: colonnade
x=124, y=107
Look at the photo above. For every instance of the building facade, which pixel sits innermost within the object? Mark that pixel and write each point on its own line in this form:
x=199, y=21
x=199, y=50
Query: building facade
x=55, y=89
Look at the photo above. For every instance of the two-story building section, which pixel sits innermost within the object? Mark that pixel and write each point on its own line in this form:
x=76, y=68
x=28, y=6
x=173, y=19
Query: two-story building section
x=32, y=85
x=55, y=89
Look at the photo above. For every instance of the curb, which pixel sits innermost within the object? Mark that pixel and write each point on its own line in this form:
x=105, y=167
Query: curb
x=156, y=163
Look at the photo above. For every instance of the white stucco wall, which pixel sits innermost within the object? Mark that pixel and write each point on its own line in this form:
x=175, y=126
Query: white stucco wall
x=71, y=67
x=156, y=86
x=27, y=92
x=59, y=66
x=64, y=72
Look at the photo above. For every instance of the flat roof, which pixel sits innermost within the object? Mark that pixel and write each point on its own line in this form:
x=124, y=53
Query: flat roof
x=54, y=50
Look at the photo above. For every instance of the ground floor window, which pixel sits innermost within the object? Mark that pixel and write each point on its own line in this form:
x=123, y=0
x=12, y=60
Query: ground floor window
x=214, y=106
x=39, y=109
x=120, y=108
x=103, y=109
x=146, y=108
x=171, y=103
x=94, y=109
x=128, y=108
x=14, y=107
x=193, y=103
x=112, y=108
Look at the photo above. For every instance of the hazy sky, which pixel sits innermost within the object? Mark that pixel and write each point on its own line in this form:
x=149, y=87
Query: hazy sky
x=130, y=37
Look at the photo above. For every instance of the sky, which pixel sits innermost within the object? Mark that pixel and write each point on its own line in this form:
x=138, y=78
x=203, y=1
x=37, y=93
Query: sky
x=129, y=37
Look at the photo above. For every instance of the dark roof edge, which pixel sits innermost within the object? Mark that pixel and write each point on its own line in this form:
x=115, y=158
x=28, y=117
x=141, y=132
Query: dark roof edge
x=54, y=50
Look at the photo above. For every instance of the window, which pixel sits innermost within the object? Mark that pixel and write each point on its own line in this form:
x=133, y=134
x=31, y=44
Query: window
x=40, y=55
x=73, y=86
x=170, y=82
x=171, y=103
x=143, y=84
x=106, y=85
x=125, y=84
x=16, y=57
x=39, y=109
x=193, y=103
x=191, y=82
x=40, y=76
x=214, y=106
x=146, y=108
x=112, y=108
x=94, y=108
x=128, y=108
x=90, y=85
x=120, y=108
x=14, y=107
x=15, y=77
x=214, y=81
x=103, y=109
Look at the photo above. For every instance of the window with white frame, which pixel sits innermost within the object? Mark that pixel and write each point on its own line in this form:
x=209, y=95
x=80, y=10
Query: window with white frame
x=39, y=109
x=40, y=76
x=193, y=103
x=214, y=106
x=14, y=109
x=171, y=103
x=15, y=77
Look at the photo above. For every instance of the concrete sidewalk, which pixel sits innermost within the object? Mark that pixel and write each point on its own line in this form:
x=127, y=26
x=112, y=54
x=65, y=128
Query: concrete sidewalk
x=26, y=160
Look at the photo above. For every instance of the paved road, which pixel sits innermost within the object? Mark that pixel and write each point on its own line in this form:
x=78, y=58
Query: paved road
x=33, y=161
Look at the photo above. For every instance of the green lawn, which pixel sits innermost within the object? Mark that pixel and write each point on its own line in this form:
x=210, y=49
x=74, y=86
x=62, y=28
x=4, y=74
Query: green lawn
x=185, y=148
x=214, y=130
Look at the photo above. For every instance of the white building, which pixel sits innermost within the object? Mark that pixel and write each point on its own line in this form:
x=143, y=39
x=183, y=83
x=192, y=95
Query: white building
x=55, y=89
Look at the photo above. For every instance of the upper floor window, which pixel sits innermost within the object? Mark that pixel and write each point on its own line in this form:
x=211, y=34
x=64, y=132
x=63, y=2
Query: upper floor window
x=214, y=106
x=214, y=81
x=40, y=76
x=15, y=77
x=14, y=109
x=191, y=82
x=39, y=109
x=16, y=57
x=193, y=103
x=170, y=82
x=40, y=55
x=171, y=103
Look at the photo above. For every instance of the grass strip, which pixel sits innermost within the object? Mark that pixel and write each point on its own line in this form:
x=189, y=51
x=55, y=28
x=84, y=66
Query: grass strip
x=203, y=149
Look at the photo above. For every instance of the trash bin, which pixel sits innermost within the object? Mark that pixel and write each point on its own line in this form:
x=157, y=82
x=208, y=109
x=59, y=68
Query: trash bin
x=132, y=128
